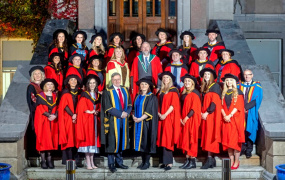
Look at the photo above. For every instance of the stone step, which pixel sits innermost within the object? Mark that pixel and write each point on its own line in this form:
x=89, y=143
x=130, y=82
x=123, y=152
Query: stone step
x=244, y=172
x=135, y=161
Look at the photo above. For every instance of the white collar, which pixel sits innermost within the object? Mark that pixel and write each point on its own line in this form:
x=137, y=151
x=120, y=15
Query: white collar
x=213, y=42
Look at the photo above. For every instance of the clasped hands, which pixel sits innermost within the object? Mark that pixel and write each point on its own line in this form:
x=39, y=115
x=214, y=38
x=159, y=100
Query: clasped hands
x=92, y=112
x=162, y=116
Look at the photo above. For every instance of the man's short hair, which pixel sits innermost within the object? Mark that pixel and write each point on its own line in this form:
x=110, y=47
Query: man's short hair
x=115, y=74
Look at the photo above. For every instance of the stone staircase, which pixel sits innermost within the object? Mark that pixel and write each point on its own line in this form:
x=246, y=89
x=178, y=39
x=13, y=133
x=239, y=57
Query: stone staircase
x=249, y=169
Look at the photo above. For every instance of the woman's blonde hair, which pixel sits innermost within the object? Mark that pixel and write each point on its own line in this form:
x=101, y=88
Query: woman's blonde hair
x=235, y=91
x=165, y=88
x=100, y=50
x=123, y=54
x=191, y=89
x=32, y=79
x=206, y=84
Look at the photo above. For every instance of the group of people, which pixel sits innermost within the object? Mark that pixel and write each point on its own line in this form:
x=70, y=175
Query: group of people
x=143, y=98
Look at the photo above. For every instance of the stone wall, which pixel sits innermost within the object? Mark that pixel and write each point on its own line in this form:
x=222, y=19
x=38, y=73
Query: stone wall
x=262, y=6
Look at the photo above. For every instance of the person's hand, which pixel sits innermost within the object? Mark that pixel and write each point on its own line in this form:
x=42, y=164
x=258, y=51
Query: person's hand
x=124, y=115
x=74, y=116
x=182, y=122
x=185, y=120
x=100, y=92
x=157, y=89
x=138, y=120
x=227, y=118
x=134, y=118
x=162, y=117
x=96, y=112
x=204, y=115
x=51, y=117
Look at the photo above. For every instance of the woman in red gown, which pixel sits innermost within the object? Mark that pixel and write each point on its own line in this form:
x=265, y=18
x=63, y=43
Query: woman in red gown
x=67, y=116
x=95, y=67
x=211, y=116
x=97, y=46
x=169, y=119
x=79, y=47
x=88, y=122
x=191, y=119
x=188, y=48
x=46, y=124
x=135, y=49
x=116, y=40
x=233, y=119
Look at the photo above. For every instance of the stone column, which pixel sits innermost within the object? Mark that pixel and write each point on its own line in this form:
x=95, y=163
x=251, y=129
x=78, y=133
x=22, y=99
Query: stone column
x=101, y=16
x=86, y=14
x=220, y=10
x=183, y=17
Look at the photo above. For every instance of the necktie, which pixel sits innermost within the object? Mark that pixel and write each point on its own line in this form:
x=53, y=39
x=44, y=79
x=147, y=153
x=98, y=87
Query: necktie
x=246, y=93
x=146, y=63
x=121, y=98
x=175, y=73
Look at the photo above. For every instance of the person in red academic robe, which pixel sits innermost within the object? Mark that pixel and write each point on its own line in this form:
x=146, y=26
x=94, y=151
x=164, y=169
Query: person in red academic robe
x=169, y=119
x=163, y=47
x=191, y=119
x=79, y=46
x=201, y=63
x=144, y=65
x=75, y=66
x=95, y=65
x=228, y=66
x=59, y=45
x=188, y=48
x=177, y=68
x=46, y=123
x=97, y=46
x=135, y=49
x=54, y=69
x=67, y=116
x=88, y=121
x=213, y=45
x=116, y=40
x=211, y=116
x=233, y=119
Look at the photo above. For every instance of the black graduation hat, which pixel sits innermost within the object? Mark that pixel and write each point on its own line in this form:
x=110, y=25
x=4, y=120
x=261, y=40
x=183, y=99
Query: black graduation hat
x=189, y=76
x=96, y=35
x=49, y=80
x=229, y=75
x=79, y=32
x=162, y=30
x=92, y=76
x=74, y=55
x=136, y=35
x=100, y=57
x=36, y=68
x=55, y=54
x=113, y=35
x=147, y=79
x=173, y=51
x=203, y=49
x=212, y=31
x=79, y=81
x=208, y=70
x=167, y=73
x=187, y=33
x=59, y=31
x=227, y=50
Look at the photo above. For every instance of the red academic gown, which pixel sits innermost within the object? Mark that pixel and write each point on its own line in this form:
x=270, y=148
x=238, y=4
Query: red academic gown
x=156, y=69
x=80, y=72
x=85, y=131
x=169, y=129
x=197, y=66
x=162, y=52
x=231, y=67
x=93, y=53
x=189, y=54
x=233, y=132
x=188, y=140
x=184, y=70
x=46, y=130
x=53, y=49
x=215, y=50
x=211, y=128
x=66, y=126
x=132, y=55
x=51, y=74
x=96, y=72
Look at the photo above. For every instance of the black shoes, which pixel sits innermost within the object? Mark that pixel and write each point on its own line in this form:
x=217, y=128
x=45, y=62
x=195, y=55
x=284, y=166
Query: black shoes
x=49, y=163
x=162, y=166
x=121, y=166
x=167, y=168
x=210, y=163
x=185, y=163
x=112, y=168
x=141, y=165
x=43, y=165
x=248, y=155
x=145, y=166
x=191, y=164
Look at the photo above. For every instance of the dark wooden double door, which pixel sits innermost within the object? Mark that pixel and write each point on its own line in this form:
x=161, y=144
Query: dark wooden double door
x=142, y=16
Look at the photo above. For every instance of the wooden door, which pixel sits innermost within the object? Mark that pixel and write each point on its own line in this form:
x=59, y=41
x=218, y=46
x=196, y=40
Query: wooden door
x=142, y=16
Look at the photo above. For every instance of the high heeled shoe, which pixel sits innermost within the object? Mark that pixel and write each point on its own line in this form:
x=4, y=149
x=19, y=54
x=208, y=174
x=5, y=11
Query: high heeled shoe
x=233, y=168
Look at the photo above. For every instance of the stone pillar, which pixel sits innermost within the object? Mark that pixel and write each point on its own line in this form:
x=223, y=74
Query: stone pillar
x=220, y=10
x=101, y=16
x=86, y=14
x=199, y=14
x=183, y=17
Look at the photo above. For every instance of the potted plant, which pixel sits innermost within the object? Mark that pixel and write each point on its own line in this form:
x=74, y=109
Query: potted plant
x=5, y=171
x=280, y=174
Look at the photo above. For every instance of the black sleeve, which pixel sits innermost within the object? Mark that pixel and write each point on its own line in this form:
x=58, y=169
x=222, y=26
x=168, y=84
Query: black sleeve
x=56, y=113
x=190, y=114
x=211, y=108
x=250, y=105
x=47, y=114
x=67, y=109
x=31, y=104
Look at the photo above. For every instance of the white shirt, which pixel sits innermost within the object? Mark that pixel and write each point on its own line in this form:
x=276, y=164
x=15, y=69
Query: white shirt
x=214, y=42
x=116, y=88
x=246, y=83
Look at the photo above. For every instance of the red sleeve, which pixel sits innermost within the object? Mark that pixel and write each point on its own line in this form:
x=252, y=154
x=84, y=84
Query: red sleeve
x=110, y=66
